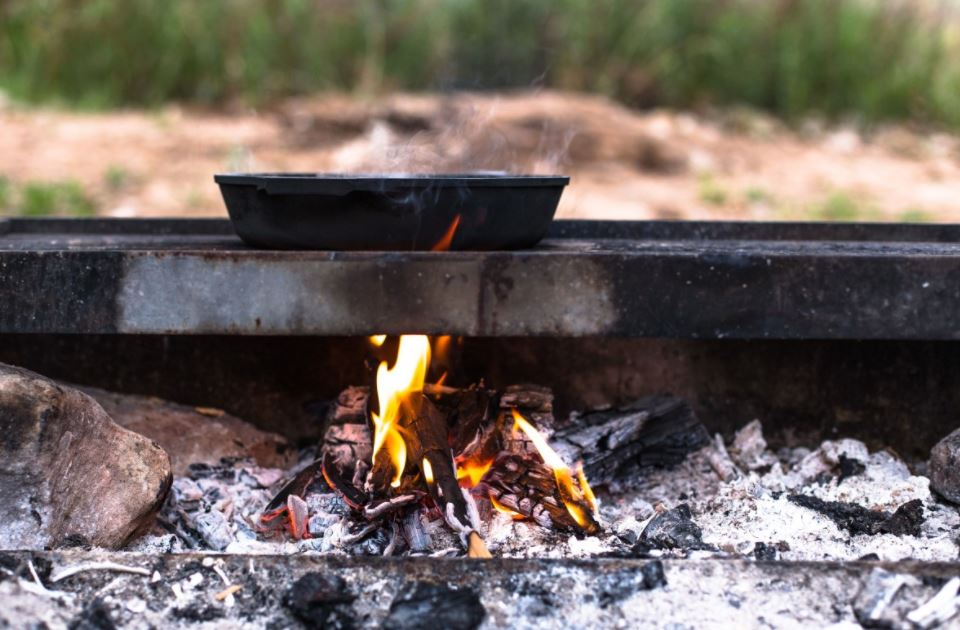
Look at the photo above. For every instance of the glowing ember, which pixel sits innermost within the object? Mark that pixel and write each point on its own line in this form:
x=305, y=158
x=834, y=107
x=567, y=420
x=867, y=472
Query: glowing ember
x=576, y=496
x=394, y=388
x=444, y=243
x=470, y=472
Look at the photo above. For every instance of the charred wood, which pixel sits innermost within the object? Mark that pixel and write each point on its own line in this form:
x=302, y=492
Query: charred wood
x=659, y=431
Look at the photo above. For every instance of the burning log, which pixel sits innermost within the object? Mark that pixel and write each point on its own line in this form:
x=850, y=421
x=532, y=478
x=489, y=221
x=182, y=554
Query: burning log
x=410, y=429
x=426, y=437
x=549, y=487
x=453, y=444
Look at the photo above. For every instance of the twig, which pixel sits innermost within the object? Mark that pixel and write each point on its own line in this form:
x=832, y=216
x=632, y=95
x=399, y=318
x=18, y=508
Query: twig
x=223, y=576
x=36, y=578
x=940, y=608
x=227, y=592
x=392, y=545
x=476, y=548
x=37, y=588
x=94, y=566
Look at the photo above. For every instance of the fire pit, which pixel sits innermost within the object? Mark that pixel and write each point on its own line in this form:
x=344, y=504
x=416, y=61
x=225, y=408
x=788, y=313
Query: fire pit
x=627, y=418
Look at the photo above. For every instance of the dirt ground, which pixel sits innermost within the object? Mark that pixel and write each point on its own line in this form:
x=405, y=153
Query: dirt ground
x=624, y=164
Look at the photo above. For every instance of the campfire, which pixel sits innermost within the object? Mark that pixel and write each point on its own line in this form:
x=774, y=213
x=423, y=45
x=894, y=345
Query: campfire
x=433, y=453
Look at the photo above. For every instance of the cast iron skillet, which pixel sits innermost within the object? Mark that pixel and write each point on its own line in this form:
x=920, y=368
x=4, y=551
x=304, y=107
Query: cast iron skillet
x=477, y=211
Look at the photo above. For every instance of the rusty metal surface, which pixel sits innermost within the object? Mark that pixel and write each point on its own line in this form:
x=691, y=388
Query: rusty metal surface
x=694, y=280
x=710, y=593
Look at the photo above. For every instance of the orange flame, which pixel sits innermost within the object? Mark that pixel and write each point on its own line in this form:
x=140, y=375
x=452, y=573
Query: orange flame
x=500, y=507
x=427, y=470
x=444, y=243
x=394, y=387
x=470, y=472
x=575, y=496
x=377, y=340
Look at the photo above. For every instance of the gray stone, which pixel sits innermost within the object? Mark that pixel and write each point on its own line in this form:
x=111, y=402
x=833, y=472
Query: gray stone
x=944, y=469
x=68, y=473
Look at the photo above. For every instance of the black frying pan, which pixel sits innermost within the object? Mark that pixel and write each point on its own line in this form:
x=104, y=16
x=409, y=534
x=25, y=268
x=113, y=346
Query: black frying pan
x=391, y=212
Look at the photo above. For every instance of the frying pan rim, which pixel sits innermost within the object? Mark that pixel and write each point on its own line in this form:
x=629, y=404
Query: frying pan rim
x=293, y=183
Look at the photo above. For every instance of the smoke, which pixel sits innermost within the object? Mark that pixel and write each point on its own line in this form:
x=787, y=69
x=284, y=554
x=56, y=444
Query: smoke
x=461, y=133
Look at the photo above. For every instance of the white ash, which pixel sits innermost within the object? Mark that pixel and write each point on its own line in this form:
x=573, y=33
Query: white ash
x=219, y=509
x=753, y=507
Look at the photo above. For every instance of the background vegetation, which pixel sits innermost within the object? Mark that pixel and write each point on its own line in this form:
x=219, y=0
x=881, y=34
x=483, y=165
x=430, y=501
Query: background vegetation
x=872, y=59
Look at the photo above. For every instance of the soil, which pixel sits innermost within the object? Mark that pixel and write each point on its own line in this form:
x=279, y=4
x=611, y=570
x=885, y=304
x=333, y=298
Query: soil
x=625, y=164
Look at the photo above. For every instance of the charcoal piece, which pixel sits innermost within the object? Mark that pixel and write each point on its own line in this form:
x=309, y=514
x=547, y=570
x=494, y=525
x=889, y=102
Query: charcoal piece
x=321, y=601
x=658, y=431
x=614, y=587
x=214, y=528
x=296, y=486
x=763, y=552
x=96, y=616
x=423, y=605
x=673, y=529
x=849, y=467
x=854, y=518
x=76, y=541
x=197, y=612
x=859, y=520
x=339, y=484
x=944, y=467
x=906, y=521
x=653, y=575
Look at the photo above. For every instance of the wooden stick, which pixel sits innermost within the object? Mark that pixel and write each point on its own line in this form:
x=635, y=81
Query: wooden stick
x=476, y=548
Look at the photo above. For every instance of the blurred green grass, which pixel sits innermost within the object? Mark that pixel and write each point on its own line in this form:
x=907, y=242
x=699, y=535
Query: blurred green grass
x=44, y=199
x=873, y=60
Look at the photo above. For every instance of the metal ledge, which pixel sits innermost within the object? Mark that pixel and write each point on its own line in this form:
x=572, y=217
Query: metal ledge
x=590, y=278
x=709, y=593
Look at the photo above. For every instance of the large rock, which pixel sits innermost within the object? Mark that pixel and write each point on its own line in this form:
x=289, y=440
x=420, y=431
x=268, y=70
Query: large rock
x=944, y=467
x=194, y=435
x=68, y=473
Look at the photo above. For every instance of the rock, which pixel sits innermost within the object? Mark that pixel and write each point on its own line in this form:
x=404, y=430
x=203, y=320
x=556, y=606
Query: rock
x=68, y=472
x=193, y=434
x=321, y=601
x=944, y=467
x=428, y=606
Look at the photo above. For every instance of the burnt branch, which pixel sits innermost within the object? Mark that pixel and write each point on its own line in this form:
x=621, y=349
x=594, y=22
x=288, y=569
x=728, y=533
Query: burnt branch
x=658, y=431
